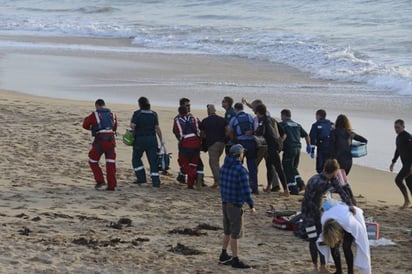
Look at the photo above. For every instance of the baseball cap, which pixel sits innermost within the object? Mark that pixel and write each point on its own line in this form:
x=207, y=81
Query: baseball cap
x=236, y=149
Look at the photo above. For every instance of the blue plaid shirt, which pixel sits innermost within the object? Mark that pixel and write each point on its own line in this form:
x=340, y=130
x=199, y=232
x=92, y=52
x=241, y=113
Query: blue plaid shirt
x=234, y=183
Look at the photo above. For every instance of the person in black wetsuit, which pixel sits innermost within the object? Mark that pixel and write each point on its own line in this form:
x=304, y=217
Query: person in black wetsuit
x=404, y=151
x=340, y=141
x=316, y=187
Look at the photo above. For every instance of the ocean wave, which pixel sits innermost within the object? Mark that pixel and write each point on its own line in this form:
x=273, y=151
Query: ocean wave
x=85, y=10
x=307, y=53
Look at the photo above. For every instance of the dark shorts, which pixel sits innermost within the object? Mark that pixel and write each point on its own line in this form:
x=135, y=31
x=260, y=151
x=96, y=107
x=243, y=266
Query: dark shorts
x=232, y=220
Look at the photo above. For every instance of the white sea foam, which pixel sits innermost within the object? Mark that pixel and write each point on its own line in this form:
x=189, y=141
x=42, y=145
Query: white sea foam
x=328, y=39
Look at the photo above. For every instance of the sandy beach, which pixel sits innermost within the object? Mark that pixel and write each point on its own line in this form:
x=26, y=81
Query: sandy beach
x=54, y=221
x=58, y=57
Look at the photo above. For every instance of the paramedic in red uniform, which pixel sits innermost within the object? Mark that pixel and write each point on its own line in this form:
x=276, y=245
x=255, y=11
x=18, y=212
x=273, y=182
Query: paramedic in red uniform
x=103, y=124
x=186, y=129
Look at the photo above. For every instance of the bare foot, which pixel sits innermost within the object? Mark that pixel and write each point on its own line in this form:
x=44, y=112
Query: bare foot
x=214, y=186
x=286, y=193
x=405, y=205
x=266, y=189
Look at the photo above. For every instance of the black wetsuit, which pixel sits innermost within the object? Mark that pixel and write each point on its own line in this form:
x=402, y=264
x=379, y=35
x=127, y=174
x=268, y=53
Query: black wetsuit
x=404, y=151
x=316, y=187
x=340, y=141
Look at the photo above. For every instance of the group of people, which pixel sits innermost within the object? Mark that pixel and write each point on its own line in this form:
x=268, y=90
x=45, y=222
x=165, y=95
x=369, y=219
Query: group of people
x=240, y=135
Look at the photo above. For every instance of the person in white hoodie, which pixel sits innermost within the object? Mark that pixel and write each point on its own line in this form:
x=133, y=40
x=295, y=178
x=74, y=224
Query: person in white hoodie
x=342, y=227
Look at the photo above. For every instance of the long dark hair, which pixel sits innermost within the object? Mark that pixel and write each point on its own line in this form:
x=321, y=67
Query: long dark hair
x=342, y=122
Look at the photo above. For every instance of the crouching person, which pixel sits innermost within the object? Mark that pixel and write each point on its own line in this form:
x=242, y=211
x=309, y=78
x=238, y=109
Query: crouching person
x=317, y=186
x=341, y=227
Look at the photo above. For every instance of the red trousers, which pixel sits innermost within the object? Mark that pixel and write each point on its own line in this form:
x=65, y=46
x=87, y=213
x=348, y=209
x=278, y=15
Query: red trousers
x=188, y=160
x=106, y=147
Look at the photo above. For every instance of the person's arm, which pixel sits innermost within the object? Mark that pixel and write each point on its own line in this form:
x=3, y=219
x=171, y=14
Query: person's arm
x=133, y=121
x=176, y=129
x=312, y=134
x=244, y=101
x=305, y=135
x=245, y=188
x=280, y=130
x=157, y=129
x=394, y=159
x=345, y=198
x=89, y=121
x=159, y=134
x=332, y=141
x=359, y=138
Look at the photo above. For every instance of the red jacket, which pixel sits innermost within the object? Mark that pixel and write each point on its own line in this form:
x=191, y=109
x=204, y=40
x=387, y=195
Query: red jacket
x=101, y=122
x=187, y=130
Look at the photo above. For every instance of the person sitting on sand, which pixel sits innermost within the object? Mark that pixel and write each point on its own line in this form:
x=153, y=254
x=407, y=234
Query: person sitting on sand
x=339, y=226
x=235, y=191
x=103, y=125
x=404, y=151
x=316, y=187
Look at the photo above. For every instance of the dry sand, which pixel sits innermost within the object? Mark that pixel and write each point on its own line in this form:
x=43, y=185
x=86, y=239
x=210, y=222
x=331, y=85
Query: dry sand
x=54, y=221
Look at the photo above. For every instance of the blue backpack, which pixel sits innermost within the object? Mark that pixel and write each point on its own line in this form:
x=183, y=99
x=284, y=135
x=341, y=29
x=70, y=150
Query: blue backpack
x=104, y=121
x=243, y=124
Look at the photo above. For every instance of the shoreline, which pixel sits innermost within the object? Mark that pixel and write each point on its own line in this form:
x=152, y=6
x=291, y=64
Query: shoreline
x=122, y=78
x=361, y=178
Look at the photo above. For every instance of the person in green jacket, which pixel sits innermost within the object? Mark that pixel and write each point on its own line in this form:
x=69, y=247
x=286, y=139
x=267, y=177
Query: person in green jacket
x=145, y=125
x=291, y=151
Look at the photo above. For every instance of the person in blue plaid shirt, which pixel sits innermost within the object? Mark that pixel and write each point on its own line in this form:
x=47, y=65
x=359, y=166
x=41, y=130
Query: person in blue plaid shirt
x=235, y=191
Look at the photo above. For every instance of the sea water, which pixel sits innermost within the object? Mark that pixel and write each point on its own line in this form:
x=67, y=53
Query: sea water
x=362, y=41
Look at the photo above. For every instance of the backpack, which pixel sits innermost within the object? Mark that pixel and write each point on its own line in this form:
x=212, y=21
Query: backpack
x=105, y=121
x=278, y=138
x=243, y=124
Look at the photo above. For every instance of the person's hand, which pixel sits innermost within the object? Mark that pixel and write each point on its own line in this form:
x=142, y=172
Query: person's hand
x=352, y=209
x=249, y=133
x=312, y=152
x=310, y=148
x=391, y=167
x=244, y=100
x=253, y=210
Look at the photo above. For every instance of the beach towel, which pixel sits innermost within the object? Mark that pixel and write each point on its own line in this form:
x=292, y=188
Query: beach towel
x=355, y=225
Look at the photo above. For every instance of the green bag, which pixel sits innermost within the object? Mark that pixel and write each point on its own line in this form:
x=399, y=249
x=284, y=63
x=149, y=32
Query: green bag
x=128, y=137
